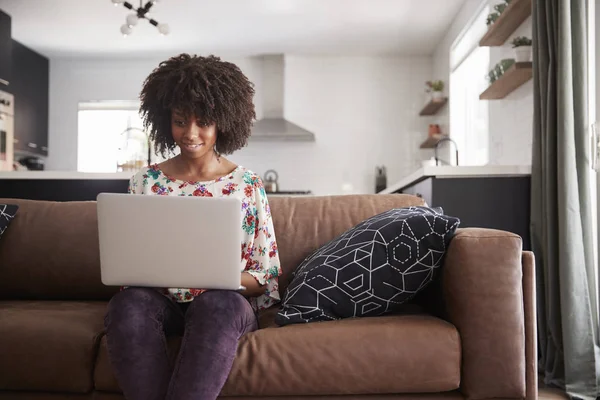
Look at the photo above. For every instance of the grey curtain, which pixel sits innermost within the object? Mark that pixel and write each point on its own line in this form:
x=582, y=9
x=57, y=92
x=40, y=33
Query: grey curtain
x=561, y=209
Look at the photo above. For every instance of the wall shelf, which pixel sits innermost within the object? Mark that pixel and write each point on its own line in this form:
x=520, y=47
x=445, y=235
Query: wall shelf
x=432, y=141
x=512, y=17
x=433, y=106
x=516, y=76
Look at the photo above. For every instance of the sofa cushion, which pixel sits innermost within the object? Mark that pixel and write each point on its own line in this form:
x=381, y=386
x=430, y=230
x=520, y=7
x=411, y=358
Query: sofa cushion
x=7, y=213
x=49, y=345
x=371, y=269
x=391, y=354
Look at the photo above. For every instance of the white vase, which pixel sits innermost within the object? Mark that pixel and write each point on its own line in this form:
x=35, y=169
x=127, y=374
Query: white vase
x=437, y=96
x=523, y=54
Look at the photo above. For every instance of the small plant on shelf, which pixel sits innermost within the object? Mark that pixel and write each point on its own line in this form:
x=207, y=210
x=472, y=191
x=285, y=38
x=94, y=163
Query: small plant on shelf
x=500, y=7
x=492, y=18
x=521, y=41
x=500, y=69
x=436, y=88
x=522, y=46
x=498, y=10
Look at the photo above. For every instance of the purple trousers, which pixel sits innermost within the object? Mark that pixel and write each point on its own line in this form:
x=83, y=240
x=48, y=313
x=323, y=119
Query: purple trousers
x=137, y=324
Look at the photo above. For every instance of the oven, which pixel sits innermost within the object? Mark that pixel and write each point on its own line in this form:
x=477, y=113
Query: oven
x=7, y=132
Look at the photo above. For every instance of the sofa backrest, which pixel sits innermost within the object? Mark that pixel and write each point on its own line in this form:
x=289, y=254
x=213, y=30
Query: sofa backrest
x=303, y=224
x=50, y=250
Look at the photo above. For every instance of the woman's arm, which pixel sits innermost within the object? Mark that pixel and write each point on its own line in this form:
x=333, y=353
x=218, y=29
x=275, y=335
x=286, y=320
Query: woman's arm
x=253, y=288
x=260, y=276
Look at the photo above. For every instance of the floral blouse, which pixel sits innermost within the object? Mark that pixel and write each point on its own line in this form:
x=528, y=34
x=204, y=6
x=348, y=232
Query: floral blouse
x=259, y=255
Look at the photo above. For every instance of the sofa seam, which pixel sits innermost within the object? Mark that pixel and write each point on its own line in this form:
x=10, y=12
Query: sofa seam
x=511, y=236
x=98, y=343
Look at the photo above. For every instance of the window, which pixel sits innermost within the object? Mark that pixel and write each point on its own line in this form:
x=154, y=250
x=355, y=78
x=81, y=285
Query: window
x=111, y=138
x=469, y=117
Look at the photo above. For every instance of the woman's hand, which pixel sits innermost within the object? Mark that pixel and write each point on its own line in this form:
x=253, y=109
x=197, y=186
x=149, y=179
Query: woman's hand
x=253, y=288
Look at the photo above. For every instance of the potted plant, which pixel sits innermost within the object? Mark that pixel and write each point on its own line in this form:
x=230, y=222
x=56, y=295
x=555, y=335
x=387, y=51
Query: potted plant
x=492, y=76
x=505, y=65
x=491, y=18
x=500, y=8
x=522, y=46
x=436, y=88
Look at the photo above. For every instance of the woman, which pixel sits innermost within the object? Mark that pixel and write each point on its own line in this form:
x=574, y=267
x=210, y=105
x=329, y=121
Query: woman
x=202, y=106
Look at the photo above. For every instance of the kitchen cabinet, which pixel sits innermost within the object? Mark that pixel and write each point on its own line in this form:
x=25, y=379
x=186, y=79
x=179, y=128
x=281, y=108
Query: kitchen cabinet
x=30, y=87
x=495, y=202
x=5, y=52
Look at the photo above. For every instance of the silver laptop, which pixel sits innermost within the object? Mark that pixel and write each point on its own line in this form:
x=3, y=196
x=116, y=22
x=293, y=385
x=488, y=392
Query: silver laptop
x=170, y=241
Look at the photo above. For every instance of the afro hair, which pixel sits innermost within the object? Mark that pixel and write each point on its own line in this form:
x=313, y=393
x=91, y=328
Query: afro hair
x=212, y=90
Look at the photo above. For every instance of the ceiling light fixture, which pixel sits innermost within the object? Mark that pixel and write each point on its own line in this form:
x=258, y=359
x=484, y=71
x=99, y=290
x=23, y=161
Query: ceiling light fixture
x=140, y=13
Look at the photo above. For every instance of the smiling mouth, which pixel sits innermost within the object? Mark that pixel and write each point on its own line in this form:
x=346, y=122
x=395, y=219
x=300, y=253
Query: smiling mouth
x=193, y=146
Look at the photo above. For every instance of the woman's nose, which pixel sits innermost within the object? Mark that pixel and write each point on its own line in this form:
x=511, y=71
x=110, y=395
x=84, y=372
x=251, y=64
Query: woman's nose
x=192, y=131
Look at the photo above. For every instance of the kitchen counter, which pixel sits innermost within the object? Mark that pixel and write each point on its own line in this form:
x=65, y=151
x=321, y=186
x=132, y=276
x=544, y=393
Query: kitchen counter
x=442, y=172
x=76, y=186
x=106, y=176
x=68, y=175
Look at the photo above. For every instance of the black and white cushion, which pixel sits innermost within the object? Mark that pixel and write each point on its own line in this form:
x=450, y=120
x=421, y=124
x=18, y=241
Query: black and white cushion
x=371, y=269
x=7, y=213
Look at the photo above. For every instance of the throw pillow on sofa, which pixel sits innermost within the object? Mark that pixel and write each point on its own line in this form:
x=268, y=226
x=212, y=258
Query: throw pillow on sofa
x=370, y=269
x=7, y=213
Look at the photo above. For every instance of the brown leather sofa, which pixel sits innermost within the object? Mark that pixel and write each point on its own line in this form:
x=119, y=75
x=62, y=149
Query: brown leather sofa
x=479, y=343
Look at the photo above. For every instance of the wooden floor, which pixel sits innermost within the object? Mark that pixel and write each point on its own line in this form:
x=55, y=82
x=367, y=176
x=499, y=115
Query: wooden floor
x=551, y=394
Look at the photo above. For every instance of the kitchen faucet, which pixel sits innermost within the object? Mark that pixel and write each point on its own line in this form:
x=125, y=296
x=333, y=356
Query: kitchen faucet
x=446, y=139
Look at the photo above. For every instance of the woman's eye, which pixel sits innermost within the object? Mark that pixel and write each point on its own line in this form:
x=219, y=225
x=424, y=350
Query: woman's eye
x=179, y=122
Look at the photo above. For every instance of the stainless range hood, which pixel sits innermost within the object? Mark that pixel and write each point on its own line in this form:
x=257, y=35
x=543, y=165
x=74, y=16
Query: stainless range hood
x=273, y=126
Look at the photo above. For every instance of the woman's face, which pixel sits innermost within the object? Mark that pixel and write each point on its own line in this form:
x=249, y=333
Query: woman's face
x=194, y=137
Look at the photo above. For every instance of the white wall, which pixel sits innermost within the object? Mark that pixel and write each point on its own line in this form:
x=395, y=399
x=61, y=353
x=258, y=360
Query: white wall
x=74, y=81
x=363, y=111
x=510, y=119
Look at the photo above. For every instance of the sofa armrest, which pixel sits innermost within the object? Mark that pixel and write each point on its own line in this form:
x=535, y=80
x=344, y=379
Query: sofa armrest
x=482, y=286
x=530, y=307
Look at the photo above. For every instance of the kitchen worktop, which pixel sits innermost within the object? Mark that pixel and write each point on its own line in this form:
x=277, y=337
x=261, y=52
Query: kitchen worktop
x=76, y=186
x=66, y=175
x=442, y=172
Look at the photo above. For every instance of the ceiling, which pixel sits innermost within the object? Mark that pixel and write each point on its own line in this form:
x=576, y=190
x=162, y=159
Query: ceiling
x=90, y=28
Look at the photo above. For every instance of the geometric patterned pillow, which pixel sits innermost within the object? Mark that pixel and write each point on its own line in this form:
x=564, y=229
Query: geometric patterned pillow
x=7, y=213
x=370, y=269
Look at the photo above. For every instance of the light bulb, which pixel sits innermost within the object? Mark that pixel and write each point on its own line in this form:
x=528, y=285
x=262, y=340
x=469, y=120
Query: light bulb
x=132, y=20
x=117, y=2
x=163, y=29
x=125, y=30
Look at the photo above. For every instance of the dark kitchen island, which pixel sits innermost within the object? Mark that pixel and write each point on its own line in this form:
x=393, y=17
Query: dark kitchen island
x=494, y=196
x=61, y=186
